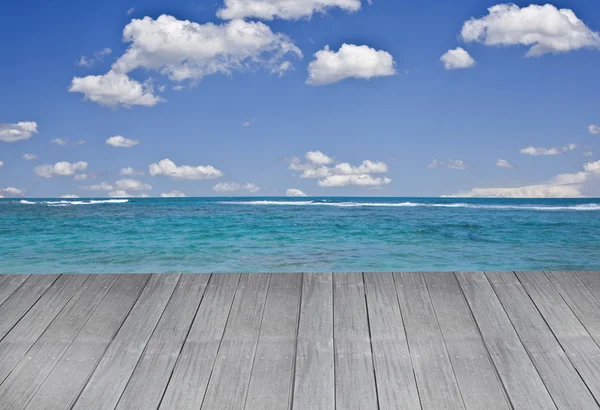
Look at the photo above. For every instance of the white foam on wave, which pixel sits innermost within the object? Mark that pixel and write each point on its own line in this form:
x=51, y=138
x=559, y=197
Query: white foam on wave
x=580, y=207
x=22, y=201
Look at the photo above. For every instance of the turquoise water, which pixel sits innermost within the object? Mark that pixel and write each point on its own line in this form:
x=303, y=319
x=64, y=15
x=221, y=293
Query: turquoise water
x=304, y=234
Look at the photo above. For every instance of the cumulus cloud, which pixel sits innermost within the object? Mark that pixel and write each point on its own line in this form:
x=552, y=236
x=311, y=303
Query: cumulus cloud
x=319, y=166
x=98, y=56
x=457, y=58
x=121, y=142
x=69, y=196
x=17, y=132
x=235, y=186
x=351, y=61
x=283, y=9
x=545, y=29
x=584, y=183
x=11, y=192
x=125, y=194
x=294, y=192
x=103, y=186
x=61, y=169
x=130, y=172
x=168, y=168
x=547, y=151
x=129, y=184
x=183, y=51
x=502, y=163
x=594, y=129
x=451, y=163
x=172, y=194
x=29, y=157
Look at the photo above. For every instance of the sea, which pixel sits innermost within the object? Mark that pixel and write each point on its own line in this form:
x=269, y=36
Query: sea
x=310, y=234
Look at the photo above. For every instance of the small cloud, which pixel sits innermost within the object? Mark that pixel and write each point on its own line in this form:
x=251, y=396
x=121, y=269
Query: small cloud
x=60, y=169
x=130, y=172
x=17, y=132
x=169, y=168
x=588, y=154
x=451, y=163
x=97, y=57
x=502, y=163
x=1, y=164
x=69, y=196
x=178, y=87
x=173, y=194
x=248, y=123
x=594, y=129
x=130, y=11
x=59, y=141
x=121, y=142
x=234, y=186
x=547, y=151
x=11, y=191
x=456, y=59
x=294, y=192
x=29, y=157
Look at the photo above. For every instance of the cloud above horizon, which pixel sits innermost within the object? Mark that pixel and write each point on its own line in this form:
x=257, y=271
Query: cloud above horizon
x=531, y=150
x=342, y=173
x=11, y=192
x=594, y=129
x=451, y=163
x=502, y=163
x=294, y=192
x=17, y=132
x=60, y=169
x=457, y=59
x=235, y=186
x=173, y=194
x=545, y=29
x=184, y=51
x=350, y=61
x=121, y=142
x=168, y=168
x=283, y=9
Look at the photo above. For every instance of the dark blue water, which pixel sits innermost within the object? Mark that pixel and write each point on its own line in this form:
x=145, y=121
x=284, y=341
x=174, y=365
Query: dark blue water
x=304, y=234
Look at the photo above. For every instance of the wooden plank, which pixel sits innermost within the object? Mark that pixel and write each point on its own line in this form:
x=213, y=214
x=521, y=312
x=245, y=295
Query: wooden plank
x=189, y=380
x=436, y=382
x=22, y=299
x=228, y=384
x=116, y=366
x=577, y=343
x=18, y=388
x=25, y=333
x=9, y=284
x=477, y=379
x=521, y=380
x=273, y=371
x=580, y=299
x=354, y=369
x=396, y=384
x=149, y=380
x=591, y=280
x=314, y=381
x=68, y=378
x=558, y=374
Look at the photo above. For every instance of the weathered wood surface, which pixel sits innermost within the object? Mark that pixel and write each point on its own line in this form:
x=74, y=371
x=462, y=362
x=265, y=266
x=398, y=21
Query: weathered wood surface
x=493, y=340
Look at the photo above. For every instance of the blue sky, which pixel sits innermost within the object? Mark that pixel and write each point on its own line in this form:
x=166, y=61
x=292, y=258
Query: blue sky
x=385, y=97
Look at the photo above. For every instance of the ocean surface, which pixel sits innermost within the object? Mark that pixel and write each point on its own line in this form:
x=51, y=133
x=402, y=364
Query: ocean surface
x=297, y=234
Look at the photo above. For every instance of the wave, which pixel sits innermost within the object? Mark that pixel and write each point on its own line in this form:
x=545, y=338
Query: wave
x=77, y=202
x=580, y=207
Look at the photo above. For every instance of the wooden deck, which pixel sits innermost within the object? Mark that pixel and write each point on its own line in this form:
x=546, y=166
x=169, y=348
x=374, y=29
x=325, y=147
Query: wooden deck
x=493, y=340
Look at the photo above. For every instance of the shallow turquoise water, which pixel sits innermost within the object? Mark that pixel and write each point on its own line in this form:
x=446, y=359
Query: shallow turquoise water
x=304, y=234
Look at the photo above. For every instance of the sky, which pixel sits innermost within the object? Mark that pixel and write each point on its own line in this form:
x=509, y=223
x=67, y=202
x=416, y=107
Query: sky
x=315, y=97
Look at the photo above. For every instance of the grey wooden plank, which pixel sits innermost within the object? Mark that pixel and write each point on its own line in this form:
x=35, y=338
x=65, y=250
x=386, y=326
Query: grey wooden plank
x=591, y=280
x=68, y=378
x=477, y=379
x=31, y=326
x=273, y=370
x=189, y=380
x=437, y=385
x=396, y=384
x=314, y=381
x=10, y=283
x=580, y=299
x=151, y=376
x=521, y=380
x=577, y=343
x=110, y=377
x=228, y=384
x=18, y=388
x=354, y=370
x=554, y=367
x=22, y=299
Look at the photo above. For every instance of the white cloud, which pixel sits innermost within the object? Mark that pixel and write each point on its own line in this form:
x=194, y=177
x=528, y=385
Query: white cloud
x=125, y=194
x=103, y=186
x=59, y=141
x=80, y=177
x=69, y=196
x=130, y=11
x=594, y=129
x=350, y=61
x=29, y=157
x=545, y=28
x=62, y=168
x=98, y=56
x=130, y=172
x=502, y=163
x=183, y=51
x=172, y=194
x=283, y=9
x=129, y=184
x=294, y=192
x=579, y=184
x=340, y=174
x=11, y=191
x=17, y=132
x=235, y=186
x=451, y=163
x=121, y=142
x=457, y=58
x=248, y=123
x=1, y=164
x=168, y=168
x=548, y=151
x=114, y=89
